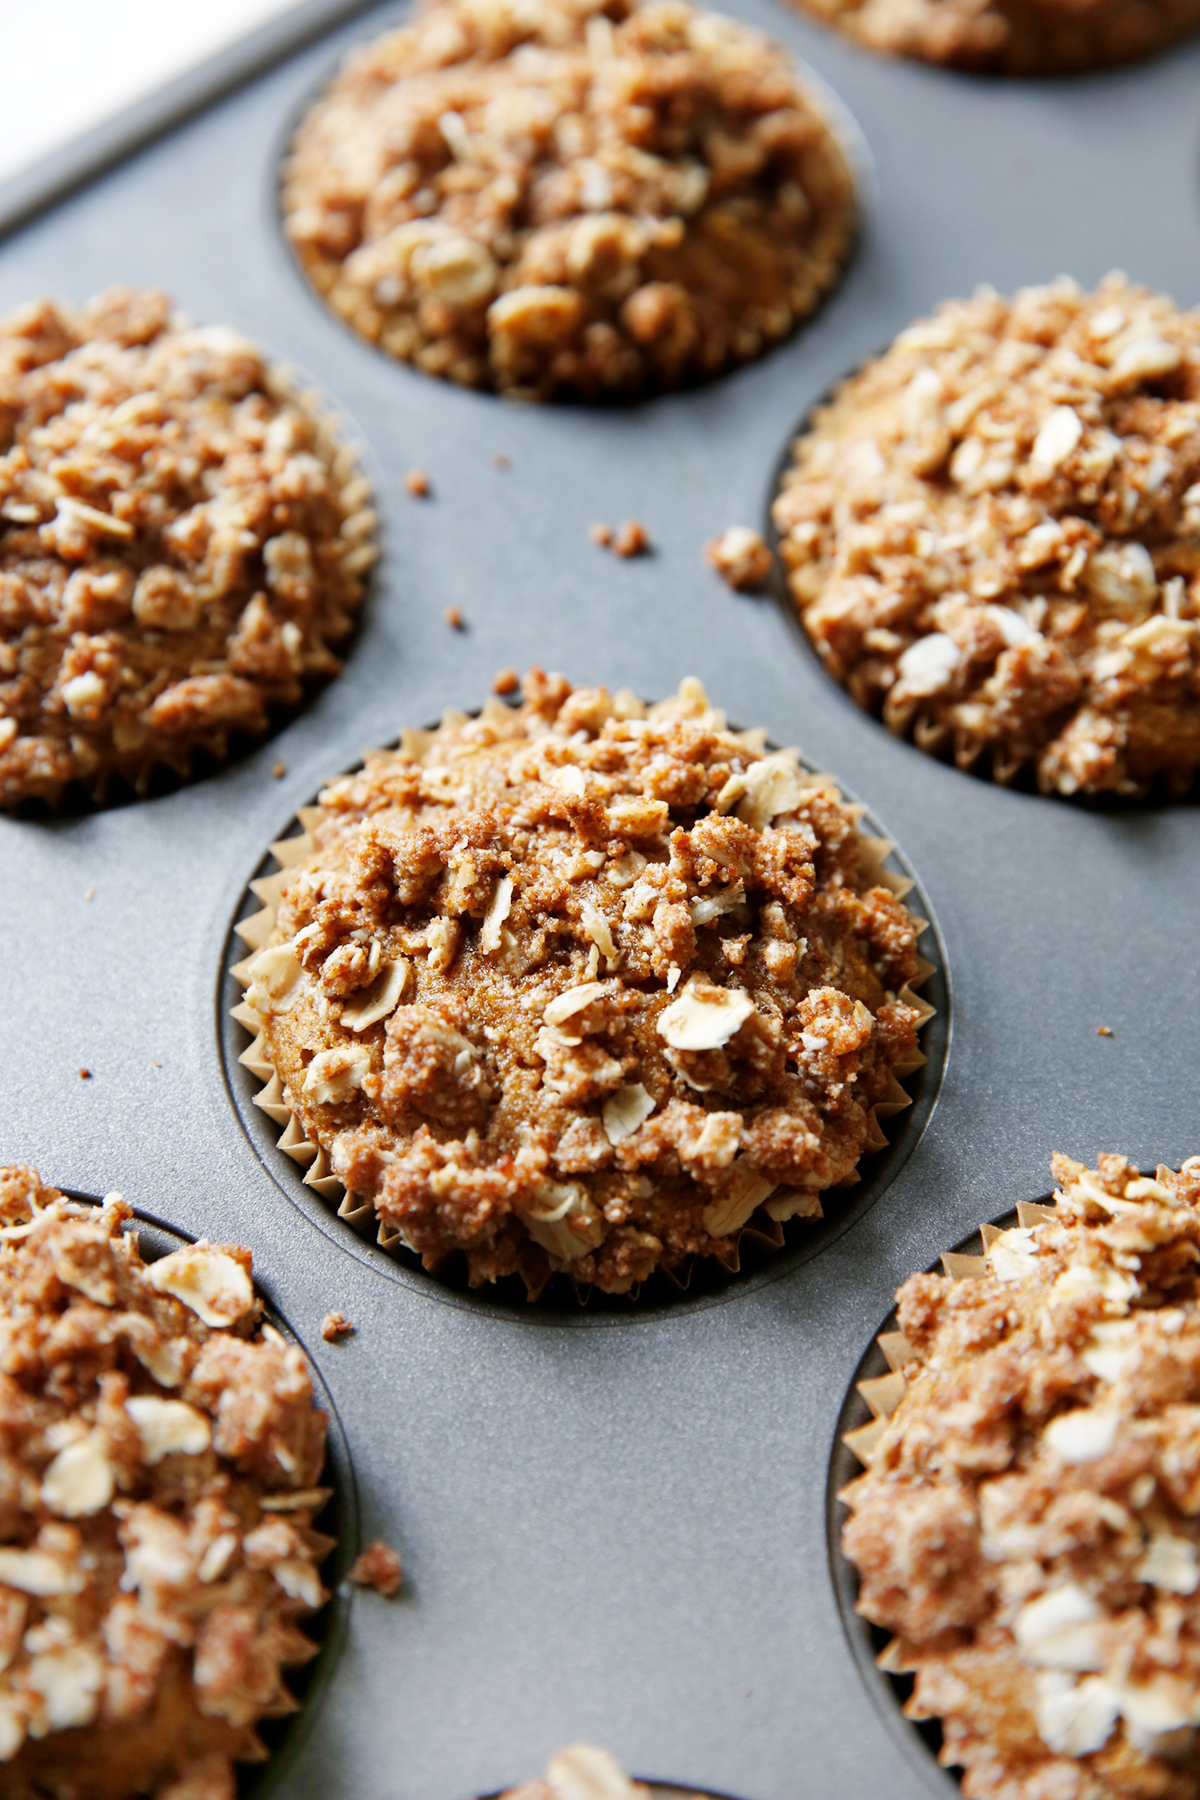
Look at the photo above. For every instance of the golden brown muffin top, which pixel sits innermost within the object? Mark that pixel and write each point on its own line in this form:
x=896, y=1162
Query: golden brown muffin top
x=566, y=197
x=991, y=536
x=181, y=541
x=158, y=1468
x=580, y=985
x=1029, y=1525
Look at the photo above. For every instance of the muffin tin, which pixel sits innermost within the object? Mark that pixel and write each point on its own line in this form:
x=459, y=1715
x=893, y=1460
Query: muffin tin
x=613, y=1523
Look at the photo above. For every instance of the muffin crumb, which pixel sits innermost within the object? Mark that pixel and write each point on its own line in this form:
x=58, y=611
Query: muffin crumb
x=632, y=539
x=85, y=1074
x=378, y=1567
x=278, y=770
x=601, y=535
x=335, y=1325
x=500, y=461
x=505, y=681
x=416, y=483
x=454, y=618
x=1104, y=1031
x=740, y=557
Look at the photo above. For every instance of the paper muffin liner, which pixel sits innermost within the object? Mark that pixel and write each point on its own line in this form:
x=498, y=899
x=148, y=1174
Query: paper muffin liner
x=359, y=533
x=763, y=1230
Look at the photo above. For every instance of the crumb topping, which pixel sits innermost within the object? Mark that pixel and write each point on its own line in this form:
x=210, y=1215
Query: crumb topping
x=157, y=1490
x=740, y=557
x=1018, y=37
x=1029, y=1525
x=566, y=197
x=378, y=1567
x=182, y=540
x=991, y=536
x=581, y=1772
x=578, y=985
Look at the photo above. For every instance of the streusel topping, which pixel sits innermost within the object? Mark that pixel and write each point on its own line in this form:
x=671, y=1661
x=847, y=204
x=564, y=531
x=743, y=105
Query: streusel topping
x=1017, y=37
x=580, y=986
x=1029, y=1525
x=181, y=542
x=157, y=1491
x=991, y=536
x=569, y=197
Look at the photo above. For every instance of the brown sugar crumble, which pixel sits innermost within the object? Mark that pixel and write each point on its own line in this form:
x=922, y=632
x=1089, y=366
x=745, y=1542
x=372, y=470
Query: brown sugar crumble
x=1015, y=37
x=572, y=198
x=416, y=483
x=182, y=540
x=1104, y=1031
x=378, y=1567
x=454, y=618
x=505, y=681
x=1029, y=1523
x=161, y=1456
x=85, y=1074
x=278, y=770
x=579, y=1771
x=632, y=539
x=335, y=1325
x=990, y=535
x=582, y=986
x=740, y=557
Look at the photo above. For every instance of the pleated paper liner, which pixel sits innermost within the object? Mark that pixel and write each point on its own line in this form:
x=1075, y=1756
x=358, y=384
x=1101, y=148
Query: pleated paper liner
x=759, y=1240
x=271, y=1744
x=165, y=771
x=877, y=1392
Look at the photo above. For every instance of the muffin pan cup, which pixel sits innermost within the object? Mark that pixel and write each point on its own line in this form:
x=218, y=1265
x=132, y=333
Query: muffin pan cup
x=613, y=1526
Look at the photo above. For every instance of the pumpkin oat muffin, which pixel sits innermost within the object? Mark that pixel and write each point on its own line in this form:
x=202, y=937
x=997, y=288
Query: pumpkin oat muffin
x=1029, y=1524
x=182, y=539
x=1014, y=37
x=160, y=1450
x=581, y=198
x=581, y=986
x=992, y=535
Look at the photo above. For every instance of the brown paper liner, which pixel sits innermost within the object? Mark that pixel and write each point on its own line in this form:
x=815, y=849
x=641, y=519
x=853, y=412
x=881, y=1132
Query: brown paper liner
x=360, y=551
x=358, y=1210
x=883, y=1393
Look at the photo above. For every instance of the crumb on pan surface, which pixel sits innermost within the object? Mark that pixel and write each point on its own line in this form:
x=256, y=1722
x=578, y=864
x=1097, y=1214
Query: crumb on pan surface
x=157, y=1491
x=1016, y=37
x=580, y=986
x=992, y=534
x=1029, y=1524
x=580, y=1772
x=378, y=1567
x=565, y=198
x=740, y=557
x=182, y=539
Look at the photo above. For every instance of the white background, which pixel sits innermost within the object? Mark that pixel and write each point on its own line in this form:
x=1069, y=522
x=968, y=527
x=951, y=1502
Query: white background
x=72, y=63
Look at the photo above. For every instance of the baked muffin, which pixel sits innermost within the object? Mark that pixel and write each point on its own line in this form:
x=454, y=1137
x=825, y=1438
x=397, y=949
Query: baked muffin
x=990, y=535
x=577, y=198
x=1029, y=1525
x=1014, y=37
x=182, y=540
x=581, y=1772
x=157, y=1493
x=580, y=986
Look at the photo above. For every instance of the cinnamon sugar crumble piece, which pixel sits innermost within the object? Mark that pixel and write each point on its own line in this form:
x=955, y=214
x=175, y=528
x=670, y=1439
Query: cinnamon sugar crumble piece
x=506, y=681
x=454, y=618
x=632, y=539
x=740, y=557
x=580, y=986
x=416, y=483
x=182, y=540
x=378, y=1567
x=581, y=1772
x=1029, y=1525
x=1104, y=1031
x=990, y=535
x=1018, y=37
x=569, y=197
x=335, y=1325
x=159, y=1474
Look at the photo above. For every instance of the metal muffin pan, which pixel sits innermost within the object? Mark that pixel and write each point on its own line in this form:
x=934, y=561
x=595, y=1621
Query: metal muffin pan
x=613, y=1528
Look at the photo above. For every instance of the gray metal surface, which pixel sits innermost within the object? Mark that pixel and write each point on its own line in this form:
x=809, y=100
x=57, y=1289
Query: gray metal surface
x=616, y=1530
